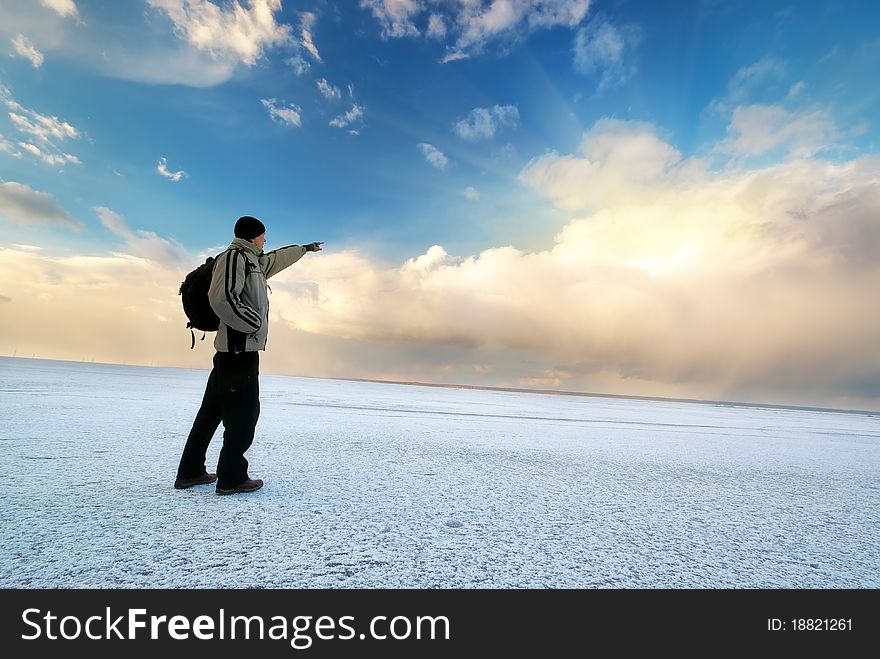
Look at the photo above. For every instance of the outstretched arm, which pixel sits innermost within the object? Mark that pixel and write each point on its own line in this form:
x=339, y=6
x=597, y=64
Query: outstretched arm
x=278, y=259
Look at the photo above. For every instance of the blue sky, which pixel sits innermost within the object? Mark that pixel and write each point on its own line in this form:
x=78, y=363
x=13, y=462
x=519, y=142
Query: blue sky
x=386, y=128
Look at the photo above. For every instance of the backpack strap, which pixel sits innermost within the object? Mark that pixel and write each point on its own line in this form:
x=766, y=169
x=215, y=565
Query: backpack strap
x=193, y=334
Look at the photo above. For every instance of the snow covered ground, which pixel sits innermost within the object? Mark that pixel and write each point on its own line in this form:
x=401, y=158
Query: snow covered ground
x=380, y=485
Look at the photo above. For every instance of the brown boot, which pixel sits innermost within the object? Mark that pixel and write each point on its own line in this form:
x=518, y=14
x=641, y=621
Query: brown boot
x=184, y=483
x=248, y=486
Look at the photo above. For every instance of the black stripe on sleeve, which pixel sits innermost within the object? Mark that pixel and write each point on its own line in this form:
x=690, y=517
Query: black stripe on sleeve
x=231, y=257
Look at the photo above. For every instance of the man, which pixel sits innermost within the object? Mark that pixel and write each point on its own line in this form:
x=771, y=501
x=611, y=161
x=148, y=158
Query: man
x=238, y=297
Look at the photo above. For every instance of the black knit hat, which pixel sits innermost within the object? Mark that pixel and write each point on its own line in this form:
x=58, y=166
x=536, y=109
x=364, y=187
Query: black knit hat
x=249, y=228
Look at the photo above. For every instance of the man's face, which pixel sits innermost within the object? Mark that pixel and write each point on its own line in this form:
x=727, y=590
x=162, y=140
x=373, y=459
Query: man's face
x=260, y=240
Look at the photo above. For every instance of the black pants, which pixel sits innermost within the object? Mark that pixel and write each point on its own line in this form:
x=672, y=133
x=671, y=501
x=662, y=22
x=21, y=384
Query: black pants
x=233, y=397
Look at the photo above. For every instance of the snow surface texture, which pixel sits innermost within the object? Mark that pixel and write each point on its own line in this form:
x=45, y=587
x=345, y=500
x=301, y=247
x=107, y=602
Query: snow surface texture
x=380, y=485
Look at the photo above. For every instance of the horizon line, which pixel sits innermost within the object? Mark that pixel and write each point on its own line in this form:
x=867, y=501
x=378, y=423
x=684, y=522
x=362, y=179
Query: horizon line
x=588, y=394
x=553, y=392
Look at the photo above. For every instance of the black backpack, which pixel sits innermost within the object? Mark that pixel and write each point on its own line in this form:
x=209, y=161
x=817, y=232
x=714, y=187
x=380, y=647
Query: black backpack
x=194, y=295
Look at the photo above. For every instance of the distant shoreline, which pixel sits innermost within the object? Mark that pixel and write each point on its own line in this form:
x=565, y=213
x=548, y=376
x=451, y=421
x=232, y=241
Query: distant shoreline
x=553, y=392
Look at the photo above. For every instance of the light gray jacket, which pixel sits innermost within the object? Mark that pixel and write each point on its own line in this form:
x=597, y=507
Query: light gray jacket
x=238, y=293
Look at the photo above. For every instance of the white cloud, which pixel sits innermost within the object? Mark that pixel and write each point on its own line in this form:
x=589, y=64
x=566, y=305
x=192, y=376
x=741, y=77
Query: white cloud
x=298, y=63
x=32, y=149
x=483, y=123
x=48, y=131
x=240, y=33
x=758, y=129
x=177, y=64
x=436, y=27
x=453, y=56
x=62, y=7
x=27, y=50
x=290, y=115
x=45, y=128
x=481, y=24
x=162, y=168
x=471, y=193
x=343, y=120
x=395, y=16
x=651, y=208
x=473, y=24
x=143, y=244
x=21, y=204
x=58, y=158
x=749, y=77
x=605, y=51
x=8, y=147
x=617, y=158
x=553, y=13
x=746, y=79
x=433, y=155
x=308, y=22
x=766, y=129
x=796, y=89
x=328, y=90
x=113, y=221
